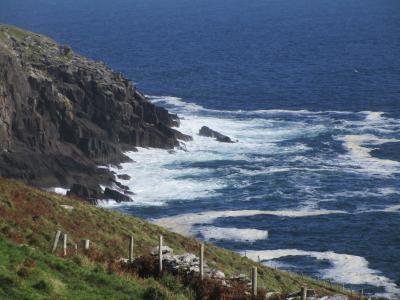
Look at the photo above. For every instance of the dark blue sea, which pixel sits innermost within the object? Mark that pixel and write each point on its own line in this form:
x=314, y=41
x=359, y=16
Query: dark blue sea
x=311, y=91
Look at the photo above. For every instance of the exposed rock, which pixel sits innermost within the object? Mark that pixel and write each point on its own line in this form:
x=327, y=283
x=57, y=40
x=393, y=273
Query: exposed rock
x=67, y=207
x=89, y=193
x=208, y=132
x=165, y=250
x=124, y=176
x=121, y=186
x=217, y=274
x=310, y=293
x=335, y=297
x=62, y=114
x=115, y=195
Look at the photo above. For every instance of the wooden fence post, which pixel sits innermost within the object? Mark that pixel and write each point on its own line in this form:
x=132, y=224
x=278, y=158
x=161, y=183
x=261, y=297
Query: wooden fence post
x=201, y=266
x=160, y=253
x=57, y=238
x=86, y=244
x=131, y=249
x=65, y=244
x=303, y=293
x=254, y=281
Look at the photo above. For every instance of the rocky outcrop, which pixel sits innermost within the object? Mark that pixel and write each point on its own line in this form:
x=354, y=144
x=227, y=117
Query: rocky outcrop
x=90, y=193
x=62, y=114
x=115, y=195
x=208, y=132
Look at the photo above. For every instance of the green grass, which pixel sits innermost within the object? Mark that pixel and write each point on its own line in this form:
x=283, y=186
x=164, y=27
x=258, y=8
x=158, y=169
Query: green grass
x=20, y=34
x=26, y=273
x=30, y=216
x=31, y=53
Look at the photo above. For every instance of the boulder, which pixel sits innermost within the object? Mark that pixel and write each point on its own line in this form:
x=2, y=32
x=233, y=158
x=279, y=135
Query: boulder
x=121, y=186
x=165, y=250
x=335, y=297
x=88, y=193
x=115, y=195
x=208, y=132
x=217, y=274
x=124, y=177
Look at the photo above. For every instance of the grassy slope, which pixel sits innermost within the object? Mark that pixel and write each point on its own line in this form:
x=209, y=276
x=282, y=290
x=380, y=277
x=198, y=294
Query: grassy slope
x=34, y=49
x=26, y=273
x=30, y=216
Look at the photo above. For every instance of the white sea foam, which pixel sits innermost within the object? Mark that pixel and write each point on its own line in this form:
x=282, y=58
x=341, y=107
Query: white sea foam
x=193, y=107
x=393, y=208
x=359, y=155
x=58, y=190
x=159, y=177
x=265, y=136
x=234, y=234
x=345, y=268
x=184, y=224
x=366, y=193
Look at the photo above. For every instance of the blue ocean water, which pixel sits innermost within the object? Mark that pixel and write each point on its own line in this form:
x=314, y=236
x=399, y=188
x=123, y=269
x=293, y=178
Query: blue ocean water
x=309, y=88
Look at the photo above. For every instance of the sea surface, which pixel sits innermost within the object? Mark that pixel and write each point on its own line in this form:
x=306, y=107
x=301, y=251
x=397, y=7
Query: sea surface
x=311, y=91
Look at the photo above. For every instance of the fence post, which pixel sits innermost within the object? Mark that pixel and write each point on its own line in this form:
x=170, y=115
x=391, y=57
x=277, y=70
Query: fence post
x=86, y=244
x=160, y=253
x=303, y=293
x=254, y=281
x=131, y=249
x=65, y=244
x=57, y=238
x=201, y=261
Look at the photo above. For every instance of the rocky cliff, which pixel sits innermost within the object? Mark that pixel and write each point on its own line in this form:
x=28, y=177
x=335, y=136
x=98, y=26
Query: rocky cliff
x=61, y=115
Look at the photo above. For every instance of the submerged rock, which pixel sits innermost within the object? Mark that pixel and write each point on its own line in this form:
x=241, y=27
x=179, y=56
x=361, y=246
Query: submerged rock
x=208, y=132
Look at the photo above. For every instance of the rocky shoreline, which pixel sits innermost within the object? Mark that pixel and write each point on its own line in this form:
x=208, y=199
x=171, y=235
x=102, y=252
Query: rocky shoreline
x=62, y=115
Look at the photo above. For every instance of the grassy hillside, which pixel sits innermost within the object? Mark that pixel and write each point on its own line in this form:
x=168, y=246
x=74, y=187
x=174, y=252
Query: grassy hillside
x=31, y=217
x=26, y=273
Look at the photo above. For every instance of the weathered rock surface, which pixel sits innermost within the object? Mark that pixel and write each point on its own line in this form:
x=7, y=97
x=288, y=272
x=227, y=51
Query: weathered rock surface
x=62, y=114
x=115, y=195
x=208, y=132
x=90, y=193
x=124, y=176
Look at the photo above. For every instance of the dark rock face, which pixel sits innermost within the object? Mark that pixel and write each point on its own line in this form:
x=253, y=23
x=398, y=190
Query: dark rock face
x=115, y=195
x=91, y=193
x=62, y=114
x=208, y=132
x=124, y=177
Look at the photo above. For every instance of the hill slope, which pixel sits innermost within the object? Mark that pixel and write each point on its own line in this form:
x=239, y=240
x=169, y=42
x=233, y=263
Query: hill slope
x=31, y=216
x=26, y=273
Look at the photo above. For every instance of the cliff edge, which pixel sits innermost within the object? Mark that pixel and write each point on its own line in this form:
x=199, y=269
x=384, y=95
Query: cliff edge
x=62, y=115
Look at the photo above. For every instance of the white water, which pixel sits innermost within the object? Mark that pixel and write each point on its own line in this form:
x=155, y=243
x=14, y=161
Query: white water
x=160, y=178
x=184, y=224
x=234, y=234
x=345, y=268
